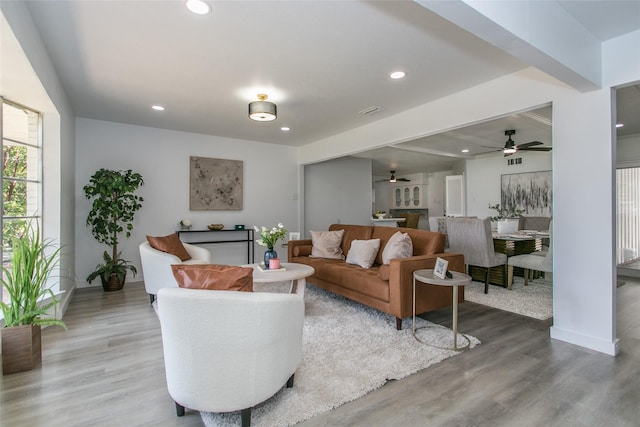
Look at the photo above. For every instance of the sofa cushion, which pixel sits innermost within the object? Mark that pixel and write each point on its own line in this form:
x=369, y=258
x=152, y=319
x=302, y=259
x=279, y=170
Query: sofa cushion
x=384, y=272
x=424, y=242
x=398, y=246
x=213, y=277
x=326, y=244
x=302, y=250
x=351, y=233
x=354, y=278
x=363, y=252
x=170, y=244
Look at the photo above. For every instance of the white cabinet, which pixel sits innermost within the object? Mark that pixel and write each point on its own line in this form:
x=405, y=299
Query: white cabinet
x=411, y=196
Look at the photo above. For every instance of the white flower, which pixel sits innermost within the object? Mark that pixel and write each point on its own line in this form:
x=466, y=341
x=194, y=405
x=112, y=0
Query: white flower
x=269, y=237
x=185, y=222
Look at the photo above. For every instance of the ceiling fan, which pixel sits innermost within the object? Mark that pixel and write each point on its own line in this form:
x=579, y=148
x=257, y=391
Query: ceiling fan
x=394, y=179
x=511, y=147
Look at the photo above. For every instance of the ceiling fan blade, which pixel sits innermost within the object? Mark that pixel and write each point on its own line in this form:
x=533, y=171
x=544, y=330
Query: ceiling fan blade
x=528, y=144
x=535, y=149
x=403, y=179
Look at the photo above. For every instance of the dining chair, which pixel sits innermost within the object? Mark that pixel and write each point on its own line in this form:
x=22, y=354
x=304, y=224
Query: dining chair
x=472, y=237
x=411, y=220
x=531, y=262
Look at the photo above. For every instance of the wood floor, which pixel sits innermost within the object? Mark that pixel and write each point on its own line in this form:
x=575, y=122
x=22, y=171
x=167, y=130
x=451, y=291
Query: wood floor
x=107, y=370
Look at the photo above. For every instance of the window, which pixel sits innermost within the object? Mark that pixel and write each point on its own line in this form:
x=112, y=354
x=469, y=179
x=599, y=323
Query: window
x=628, y=216
x=21, y=172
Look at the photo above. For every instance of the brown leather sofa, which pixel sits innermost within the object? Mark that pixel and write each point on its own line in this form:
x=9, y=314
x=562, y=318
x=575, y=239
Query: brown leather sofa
x=389, y=287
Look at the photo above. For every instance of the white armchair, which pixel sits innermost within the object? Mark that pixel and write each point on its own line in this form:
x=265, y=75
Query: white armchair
x=156, y=266
x=228, y=351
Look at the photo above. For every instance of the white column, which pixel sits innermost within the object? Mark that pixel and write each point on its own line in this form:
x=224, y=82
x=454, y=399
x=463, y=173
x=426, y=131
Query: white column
x=583, y=216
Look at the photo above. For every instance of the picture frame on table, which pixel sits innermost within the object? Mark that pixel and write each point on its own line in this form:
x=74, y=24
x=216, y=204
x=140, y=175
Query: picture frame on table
x=440, y=269
x=294, y=235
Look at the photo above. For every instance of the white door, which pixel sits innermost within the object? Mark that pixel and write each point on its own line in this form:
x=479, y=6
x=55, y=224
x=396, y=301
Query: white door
x=454, y=195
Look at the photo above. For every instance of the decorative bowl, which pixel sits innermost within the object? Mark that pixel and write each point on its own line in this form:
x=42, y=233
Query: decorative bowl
x=381, y=216
x=215, y=226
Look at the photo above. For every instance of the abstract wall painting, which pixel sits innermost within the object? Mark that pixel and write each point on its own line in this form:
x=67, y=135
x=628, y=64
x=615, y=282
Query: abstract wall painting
x=529, y=191
x=215, y=184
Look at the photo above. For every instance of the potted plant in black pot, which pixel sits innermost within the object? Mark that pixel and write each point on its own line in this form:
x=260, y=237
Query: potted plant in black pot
x=26, y=280
x=112, y=213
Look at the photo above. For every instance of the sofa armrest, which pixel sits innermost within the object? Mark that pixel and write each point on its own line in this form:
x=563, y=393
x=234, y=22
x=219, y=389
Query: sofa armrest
x=401, y=274
x=296, y=248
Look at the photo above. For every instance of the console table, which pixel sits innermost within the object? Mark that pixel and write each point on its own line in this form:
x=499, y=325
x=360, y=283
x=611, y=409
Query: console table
x=223, y=236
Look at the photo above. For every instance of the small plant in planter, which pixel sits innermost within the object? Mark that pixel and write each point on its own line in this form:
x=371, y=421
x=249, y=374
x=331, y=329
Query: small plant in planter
x=26, y=281
x=507, y=218
x=112, y=213
x=505, y=213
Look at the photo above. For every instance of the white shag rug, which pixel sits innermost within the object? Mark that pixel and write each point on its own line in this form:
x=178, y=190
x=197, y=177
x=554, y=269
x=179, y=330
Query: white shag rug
x=348, y=351
x=535, y=300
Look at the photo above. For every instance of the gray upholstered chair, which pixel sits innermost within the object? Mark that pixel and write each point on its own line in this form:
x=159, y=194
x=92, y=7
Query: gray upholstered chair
x=538, y=223
x=472, y=238
x=531, y=262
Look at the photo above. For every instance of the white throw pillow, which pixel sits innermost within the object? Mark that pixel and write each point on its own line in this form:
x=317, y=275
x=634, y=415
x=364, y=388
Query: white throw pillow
x=363, y=252
x=398, y=246
x=326, y=244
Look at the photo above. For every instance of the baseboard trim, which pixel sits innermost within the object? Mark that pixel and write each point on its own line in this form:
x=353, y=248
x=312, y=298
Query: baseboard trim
x=572, y=337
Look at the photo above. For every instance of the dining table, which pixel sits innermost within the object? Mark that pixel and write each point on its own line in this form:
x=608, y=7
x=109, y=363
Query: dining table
x=521, y=242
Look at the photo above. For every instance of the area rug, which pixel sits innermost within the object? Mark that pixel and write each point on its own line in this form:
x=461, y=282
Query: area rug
x=348, y=351
x=535, y=300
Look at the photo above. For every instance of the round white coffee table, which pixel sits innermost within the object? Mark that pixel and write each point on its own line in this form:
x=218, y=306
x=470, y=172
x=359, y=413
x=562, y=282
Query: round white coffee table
x=293, y=273
x=458, y=279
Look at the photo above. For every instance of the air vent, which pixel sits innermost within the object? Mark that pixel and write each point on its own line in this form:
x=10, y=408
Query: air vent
x=369, y=110
x=516, y=161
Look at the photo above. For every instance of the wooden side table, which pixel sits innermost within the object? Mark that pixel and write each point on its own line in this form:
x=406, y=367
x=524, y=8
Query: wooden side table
x=458, y=279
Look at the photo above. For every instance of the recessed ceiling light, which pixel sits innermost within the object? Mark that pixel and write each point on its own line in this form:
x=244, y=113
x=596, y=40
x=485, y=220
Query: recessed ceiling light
x=466, y=150
x=285, y=129
x=397, y=75
x=158, y=107
x=619, y=125
x=198, y=6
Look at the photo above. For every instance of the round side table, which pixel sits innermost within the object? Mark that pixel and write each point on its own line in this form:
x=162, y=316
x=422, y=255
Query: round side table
x=458, y=279
x=292, y=272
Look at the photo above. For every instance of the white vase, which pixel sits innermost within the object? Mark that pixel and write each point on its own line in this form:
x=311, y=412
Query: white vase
x=508, y=226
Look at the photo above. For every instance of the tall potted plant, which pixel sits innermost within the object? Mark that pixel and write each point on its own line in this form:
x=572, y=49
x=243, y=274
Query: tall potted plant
x=26, y=281
x=112, y=213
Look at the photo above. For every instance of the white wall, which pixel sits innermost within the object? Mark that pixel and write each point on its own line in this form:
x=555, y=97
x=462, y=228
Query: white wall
x=484, y=176
x=28, y=77
x=162, y=158
x=337, y=191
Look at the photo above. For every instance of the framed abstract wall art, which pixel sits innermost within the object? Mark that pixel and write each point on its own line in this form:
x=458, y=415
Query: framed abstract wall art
x=215, y=184
x=530, y=191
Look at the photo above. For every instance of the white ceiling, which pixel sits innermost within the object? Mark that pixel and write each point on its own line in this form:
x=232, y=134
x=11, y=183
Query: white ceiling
x=321, y=62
